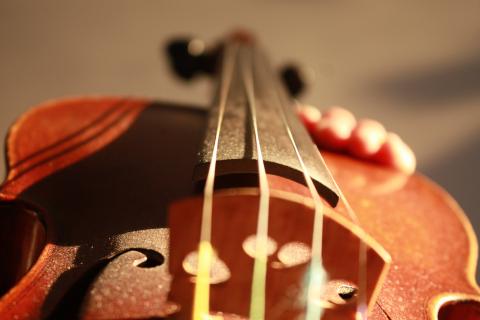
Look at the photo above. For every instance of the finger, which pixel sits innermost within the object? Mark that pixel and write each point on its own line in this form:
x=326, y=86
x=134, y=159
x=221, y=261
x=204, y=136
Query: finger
x=396, y=154
x=334, y=129
x=310, y=116
x=367, y=138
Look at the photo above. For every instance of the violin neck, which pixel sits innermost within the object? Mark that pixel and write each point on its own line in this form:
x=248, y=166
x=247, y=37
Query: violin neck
x=247, y=82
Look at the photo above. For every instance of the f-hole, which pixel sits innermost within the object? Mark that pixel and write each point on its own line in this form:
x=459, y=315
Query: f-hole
x=152, y=259
x=465, y=310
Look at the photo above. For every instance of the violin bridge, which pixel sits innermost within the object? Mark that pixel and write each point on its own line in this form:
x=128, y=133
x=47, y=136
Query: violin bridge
x=234, y=221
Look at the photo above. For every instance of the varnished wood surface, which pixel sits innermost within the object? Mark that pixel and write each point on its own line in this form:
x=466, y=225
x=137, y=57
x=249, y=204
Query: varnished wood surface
x=416, y=83
x=109, y=199
x=115, y=193
x=53, y=136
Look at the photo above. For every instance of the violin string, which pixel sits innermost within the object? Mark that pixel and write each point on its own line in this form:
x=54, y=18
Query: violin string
x=201, y=300
x=362, y=303
x=317, y=274
x=257, y=302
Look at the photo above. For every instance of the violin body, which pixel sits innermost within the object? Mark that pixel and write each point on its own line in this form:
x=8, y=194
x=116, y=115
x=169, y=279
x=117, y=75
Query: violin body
x=84, y=217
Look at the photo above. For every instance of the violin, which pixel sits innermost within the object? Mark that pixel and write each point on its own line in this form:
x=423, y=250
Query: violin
x=128, y=208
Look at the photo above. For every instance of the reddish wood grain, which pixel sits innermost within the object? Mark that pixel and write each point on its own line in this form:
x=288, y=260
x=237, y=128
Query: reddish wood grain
x=57, y=134
x=46, y=139
x=432, y=245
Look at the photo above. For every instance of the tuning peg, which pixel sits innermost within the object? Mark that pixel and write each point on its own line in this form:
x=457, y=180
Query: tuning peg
x=188, y=57
x=294, y=79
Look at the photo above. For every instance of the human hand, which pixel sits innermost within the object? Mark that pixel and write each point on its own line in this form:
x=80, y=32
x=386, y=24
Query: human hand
x=338, y=130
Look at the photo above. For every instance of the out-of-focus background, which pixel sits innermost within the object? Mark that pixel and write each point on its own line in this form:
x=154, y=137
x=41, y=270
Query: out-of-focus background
x=414, y=65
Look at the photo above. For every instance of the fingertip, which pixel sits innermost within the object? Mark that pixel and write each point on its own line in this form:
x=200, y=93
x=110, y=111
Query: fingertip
x=332, y=134
x=310, y=115
x=396, y=154
x=367, y=138
x=334, y=129
x=339, y=113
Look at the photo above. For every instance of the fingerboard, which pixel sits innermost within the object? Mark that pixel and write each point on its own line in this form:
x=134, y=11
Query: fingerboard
x=237, y=156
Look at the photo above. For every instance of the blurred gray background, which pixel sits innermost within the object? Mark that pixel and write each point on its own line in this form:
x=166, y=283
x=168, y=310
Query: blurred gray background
x=414, y=65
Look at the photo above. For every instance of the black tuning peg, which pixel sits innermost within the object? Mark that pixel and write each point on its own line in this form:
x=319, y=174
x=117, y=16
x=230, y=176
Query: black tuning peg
x=188, y=57
x=294, y=79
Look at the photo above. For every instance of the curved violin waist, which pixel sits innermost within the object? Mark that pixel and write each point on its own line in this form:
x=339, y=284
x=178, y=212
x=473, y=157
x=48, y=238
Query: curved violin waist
x=99, y=219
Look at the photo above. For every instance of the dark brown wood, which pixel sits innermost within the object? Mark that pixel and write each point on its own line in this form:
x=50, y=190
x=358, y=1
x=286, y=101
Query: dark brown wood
x=104, y=186
x=109, y=195
x=236, y=150
x=22, y=236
